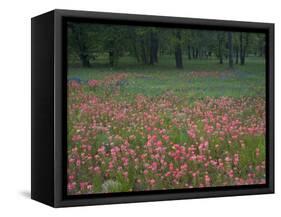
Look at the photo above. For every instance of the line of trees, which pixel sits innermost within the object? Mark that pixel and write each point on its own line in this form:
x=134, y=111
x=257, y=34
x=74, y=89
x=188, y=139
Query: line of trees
x=87, y=41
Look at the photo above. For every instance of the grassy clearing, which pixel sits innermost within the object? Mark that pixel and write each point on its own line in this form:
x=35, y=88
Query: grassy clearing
x=247, y=80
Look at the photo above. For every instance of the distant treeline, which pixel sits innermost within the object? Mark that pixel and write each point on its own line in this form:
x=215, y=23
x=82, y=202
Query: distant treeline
x=86, y=42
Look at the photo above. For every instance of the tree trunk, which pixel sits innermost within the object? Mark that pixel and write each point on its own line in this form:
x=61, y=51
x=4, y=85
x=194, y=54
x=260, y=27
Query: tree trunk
x=262, y=49
x=143, y=52
x=196, y=53
x=156, y=48
x=242, y=57
x=178, y=55
x=153, y=48
x=178, y=51
x=193, y=53
x=220, y=51
x=237, y=55
x=189, y=52
x=136, y=50
x=85, y=61
x=245, y=47
x=230, y=50
x=82, y=48
x=111, y=58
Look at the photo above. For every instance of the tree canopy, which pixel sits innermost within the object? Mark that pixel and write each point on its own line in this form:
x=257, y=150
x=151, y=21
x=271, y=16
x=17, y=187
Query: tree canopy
x=86, y=42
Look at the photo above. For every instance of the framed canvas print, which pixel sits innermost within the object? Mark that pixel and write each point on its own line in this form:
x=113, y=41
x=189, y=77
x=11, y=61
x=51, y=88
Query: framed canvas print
x=133, y=108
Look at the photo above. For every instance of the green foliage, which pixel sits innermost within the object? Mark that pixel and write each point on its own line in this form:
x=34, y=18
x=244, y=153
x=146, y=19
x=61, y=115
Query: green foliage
x=88, y=42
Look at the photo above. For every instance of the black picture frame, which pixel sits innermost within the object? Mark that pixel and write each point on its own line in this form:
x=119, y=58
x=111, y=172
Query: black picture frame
x=48, y=148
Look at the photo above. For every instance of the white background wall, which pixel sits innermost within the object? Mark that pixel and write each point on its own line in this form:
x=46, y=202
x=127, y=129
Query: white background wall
x=15, y=106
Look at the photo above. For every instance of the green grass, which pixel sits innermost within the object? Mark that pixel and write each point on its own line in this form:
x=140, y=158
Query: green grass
x=154, y=80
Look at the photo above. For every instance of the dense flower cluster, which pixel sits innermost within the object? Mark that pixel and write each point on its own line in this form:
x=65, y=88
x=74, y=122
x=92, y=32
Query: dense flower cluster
x=161, y=142
x=93, y=83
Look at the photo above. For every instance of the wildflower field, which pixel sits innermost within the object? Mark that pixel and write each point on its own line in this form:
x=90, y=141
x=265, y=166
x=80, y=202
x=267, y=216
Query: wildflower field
x=138, y=129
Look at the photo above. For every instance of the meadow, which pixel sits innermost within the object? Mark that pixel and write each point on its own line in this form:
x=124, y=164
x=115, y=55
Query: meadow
x=138, y=127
